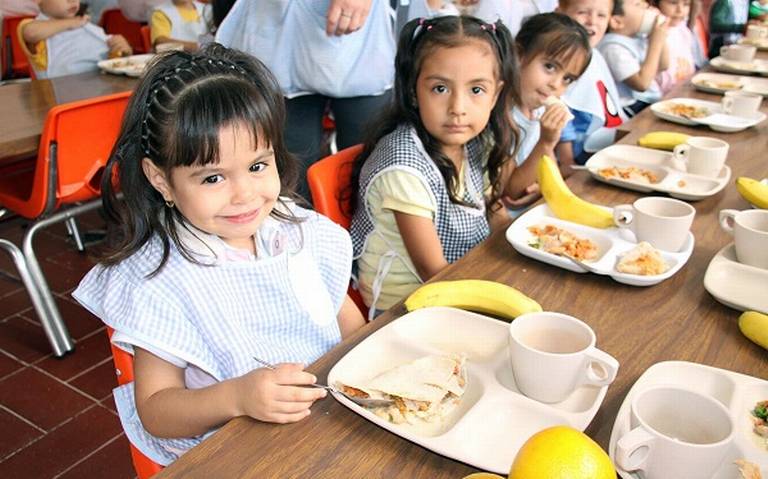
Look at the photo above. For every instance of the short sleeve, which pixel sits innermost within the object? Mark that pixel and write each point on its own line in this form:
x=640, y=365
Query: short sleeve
x=160, y=25
x=621, y=61
x=37, y=58
x=405, y=192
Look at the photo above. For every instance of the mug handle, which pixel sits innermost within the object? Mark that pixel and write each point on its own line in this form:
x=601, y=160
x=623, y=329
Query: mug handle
x=723, y=50
x=608, y=363
x=726, y=218
x=680, y=155
x=628, y=449
x=623, y=215
x=727, y=104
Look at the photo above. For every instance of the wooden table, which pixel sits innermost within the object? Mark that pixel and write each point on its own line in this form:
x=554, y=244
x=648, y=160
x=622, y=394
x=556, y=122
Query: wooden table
x=25, y=104
x=675, y=320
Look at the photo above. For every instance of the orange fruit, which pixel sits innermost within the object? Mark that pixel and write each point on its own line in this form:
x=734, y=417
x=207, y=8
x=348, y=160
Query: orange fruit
x=561, y=452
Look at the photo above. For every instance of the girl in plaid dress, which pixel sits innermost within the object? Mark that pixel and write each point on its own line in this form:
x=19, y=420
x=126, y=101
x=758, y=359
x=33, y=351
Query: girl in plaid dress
x=428, y=183
x=214, y=264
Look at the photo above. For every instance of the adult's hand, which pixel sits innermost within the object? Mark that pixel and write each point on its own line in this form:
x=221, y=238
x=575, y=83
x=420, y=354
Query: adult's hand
x=346, y=16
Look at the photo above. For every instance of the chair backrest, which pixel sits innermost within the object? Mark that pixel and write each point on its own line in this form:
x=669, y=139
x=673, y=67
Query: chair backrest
x=15, y=63
x=113, y=21
x=75, y=145
x=328, y=178
x=701, y=29
x=146, y=38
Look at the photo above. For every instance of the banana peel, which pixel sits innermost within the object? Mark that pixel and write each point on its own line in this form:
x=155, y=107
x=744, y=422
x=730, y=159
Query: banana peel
x=754, y=326
x=564, y=203
x=662, y=140
x=482, y=296
x=753, y=191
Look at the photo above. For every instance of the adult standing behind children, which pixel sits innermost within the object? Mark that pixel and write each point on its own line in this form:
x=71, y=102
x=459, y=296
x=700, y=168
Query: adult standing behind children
x=336, y=53
x=181, y=22
x=633, y=58
x=214, y=263
x=61, y=42
x=426, y=188
x=727, y=23
x=594, y=97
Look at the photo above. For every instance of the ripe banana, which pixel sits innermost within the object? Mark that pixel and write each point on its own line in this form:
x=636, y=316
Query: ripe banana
x=477, y=295
x=564, y=204
x=662, y=140
x=754, y=325
x=753, y=191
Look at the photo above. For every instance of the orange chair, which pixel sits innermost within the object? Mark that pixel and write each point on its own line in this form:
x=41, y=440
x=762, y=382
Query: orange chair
x=146, y=38
x=113, y=21
x=145, y=467
x=701, y=29
x=15, y=63
x=327, y=180
x=76, y=142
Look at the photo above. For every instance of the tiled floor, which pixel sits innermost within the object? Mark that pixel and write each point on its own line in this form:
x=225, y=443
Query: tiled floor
x=57, y=417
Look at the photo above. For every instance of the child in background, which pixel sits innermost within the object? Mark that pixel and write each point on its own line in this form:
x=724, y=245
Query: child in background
x=594, y=97
x=633, y=59
x=181, y=22
x=215, y=264
x=727, y=23
x=681, y=44
x=425, y=190
x=554, y=51
x=59, y=42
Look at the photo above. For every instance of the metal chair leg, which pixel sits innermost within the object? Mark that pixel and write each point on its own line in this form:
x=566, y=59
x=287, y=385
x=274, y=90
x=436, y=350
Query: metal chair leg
x=53, y=325
x=73, y=230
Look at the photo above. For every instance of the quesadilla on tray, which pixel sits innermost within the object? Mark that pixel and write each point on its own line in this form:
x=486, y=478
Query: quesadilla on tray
x=427, y=389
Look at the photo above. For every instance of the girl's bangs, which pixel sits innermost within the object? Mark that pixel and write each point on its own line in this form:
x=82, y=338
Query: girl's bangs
x=218, y=102
x=563, y=48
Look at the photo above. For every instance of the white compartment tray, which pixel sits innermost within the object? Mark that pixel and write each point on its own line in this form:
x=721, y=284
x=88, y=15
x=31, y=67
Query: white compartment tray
x=720, y=83
x=738, y=392
x=716, y=118
x=736, y=285
x=493, y=419
x=755, y=67
x=611, y=242
x=132, y=66
x=672, y=181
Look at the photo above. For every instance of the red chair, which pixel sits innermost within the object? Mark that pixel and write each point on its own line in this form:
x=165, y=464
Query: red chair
x=146, y=38
x=76, y=142
x=328, y=178
x=15, y=63
x=113, y=21
x=145, y=467
x=701, y=29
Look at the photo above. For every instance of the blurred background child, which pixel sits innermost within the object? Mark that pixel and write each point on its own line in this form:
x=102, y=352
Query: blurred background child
x=635, y=60
x=180, y=21
x=681, y=44
x=727, y=23
x=593, y=98
x=61, y=42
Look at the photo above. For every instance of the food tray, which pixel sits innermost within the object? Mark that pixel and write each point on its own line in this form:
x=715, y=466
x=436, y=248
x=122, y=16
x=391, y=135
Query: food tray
x=736, y=285
x=610, y=243
x=493, y=419
x=760, y=43
x=716, y=119
x=675, y=183
x=719, y=83
x=132, y=65
x=737, y=392
x=755, y=67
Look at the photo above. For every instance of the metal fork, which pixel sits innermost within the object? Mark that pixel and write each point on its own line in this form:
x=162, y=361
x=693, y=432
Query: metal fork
x=365, y=402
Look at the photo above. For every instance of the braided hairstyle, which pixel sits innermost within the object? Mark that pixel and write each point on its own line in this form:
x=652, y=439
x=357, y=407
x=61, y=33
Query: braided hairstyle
x=174, y=118
x=418, y=39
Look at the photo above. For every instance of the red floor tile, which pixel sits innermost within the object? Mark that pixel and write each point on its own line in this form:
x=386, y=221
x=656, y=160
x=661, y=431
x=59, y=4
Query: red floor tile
x=23, y=339
x=99, y=381
x=40, y=399
x=78, y=320
x=7, y=285
x=16, y=433
x=109, y=403
x=113, y=462
x=8, y=365
x=15, y=303
x=88, y=353
x=63, y=447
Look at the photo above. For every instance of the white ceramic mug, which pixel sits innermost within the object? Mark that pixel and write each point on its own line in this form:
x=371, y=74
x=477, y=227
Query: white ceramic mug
x=676, y=433
x=750, y=233
x=738, y=53
x=741, y=103
x=701, y=155
x=663, y=222
x=757, y=32
x=649, y=19
x=552, y=354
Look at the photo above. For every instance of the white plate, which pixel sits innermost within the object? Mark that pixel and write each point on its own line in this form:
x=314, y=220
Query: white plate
x=737, y=392
x=738, y=286
x=132, y=65
x=716, y=118
x=711, y=83
x=672, y=181
x=760, y=43
x=493, y=419
x=755, y=67
x=611, y=242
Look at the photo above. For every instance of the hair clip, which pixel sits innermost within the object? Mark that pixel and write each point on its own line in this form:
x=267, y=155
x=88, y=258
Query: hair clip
x=489, y=27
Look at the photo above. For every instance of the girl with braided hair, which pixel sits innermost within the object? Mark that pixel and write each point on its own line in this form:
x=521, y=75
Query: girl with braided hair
x=213, y=264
